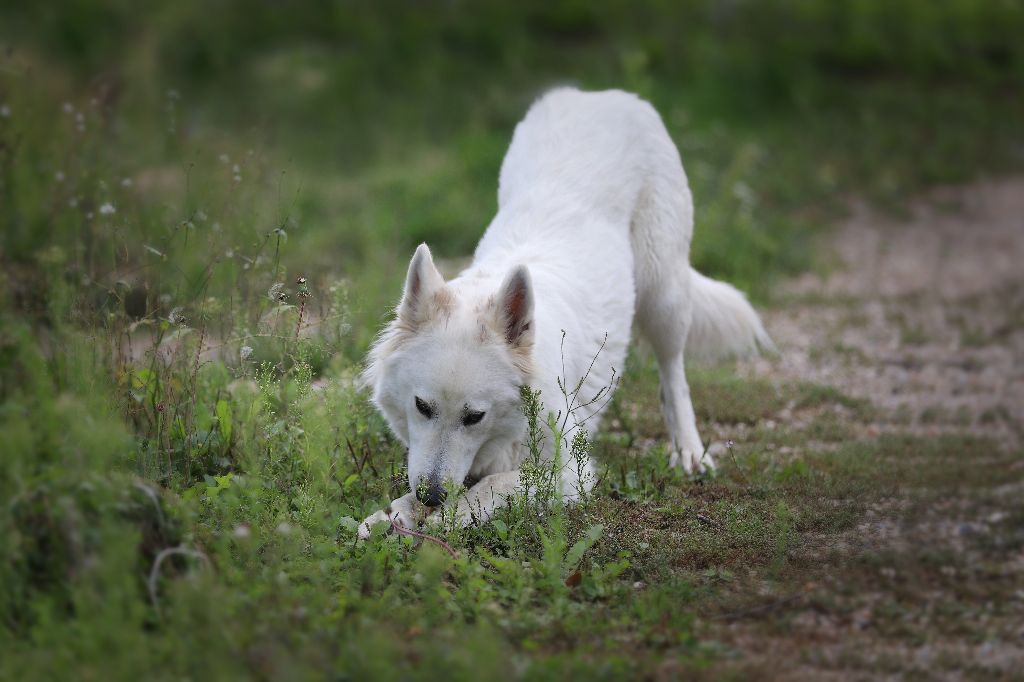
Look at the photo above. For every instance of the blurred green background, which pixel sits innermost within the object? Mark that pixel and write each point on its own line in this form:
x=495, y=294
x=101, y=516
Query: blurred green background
x=365, y=128
x=207, y=209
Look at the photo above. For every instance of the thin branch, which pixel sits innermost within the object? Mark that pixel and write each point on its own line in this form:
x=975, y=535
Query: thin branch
x=422, y=536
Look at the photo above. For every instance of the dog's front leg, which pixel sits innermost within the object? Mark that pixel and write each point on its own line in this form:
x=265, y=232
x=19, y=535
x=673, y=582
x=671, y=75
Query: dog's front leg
x=406, y=511
x=478, y=504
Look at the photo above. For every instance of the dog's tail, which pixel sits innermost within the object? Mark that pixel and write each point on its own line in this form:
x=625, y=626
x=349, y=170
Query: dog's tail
x=724, y=324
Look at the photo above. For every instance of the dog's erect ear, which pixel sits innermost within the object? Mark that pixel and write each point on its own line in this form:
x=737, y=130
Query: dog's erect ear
x=515, y=307
x=422, y=282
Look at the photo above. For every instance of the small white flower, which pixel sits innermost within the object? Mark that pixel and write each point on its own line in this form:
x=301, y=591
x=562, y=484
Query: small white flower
x=126, y=182
x=284, y=528
x=5, y=111
x=242, y=531
x=201, y=216
x=107, y=209
x=245, y=352
x=224, y=158
x=68, y=108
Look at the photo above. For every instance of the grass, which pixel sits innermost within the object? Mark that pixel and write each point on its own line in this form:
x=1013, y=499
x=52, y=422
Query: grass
x=205, y=219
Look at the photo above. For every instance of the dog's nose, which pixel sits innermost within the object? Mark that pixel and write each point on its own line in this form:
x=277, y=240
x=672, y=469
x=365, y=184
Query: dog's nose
x=431, y=495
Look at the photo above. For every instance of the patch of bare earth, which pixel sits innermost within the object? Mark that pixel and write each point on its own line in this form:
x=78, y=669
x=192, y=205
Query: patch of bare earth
x=923, y=317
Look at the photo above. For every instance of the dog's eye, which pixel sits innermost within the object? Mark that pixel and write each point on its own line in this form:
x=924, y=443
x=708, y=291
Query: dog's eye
x=424, y=409
x=472, y=418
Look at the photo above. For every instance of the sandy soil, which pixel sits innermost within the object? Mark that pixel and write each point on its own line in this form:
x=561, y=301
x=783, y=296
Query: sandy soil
x=923, y=316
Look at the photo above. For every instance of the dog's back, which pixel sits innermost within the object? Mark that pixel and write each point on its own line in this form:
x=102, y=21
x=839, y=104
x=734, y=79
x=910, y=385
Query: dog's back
x=593, y=149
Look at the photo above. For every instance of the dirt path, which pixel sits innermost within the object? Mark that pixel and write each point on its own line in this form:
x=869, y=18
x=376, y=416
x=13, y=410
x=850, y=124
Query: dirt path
x=923, y=317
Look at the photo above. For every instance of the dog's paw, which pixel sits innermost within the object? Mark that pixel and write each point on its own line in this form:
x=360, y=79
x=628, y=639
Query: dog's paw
x=402, y=511
x=692, y=462
x=372, y=520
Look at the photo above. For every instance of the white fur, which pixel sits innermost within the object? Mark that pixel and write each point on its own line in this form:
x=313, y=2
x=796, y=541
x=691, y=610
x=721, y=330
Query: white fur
x=593, y=228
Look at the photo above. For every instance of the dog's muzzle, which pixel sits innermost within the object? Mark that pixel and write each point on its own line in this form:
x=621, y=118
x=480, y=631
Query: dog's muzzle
x=432, y=495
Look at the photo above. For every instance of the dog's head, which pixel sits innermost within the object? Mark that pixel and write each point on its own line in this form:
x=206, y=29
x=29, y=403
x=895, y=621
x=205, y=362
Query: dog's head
x=447, y=371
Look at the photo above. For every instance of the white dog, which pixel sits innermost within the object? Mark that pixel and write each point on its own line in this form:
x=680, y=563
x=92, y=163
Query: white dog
x=593, y=231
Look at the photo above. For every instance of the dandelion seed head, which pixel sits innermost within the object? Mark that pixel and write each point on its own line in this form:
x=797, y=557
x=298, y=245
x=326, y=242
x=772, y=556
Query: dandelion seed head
x=245, y=352
x=276, y=291
x=176, y=316
x=107, y=209
x=242, y=530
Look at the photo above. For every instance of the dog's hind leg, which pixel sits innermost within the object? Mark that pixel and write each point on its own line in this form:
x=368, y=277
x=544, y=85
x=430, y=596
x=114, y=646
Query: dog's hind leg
x=661, y=229
x=687, y=449
x=667, y=335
